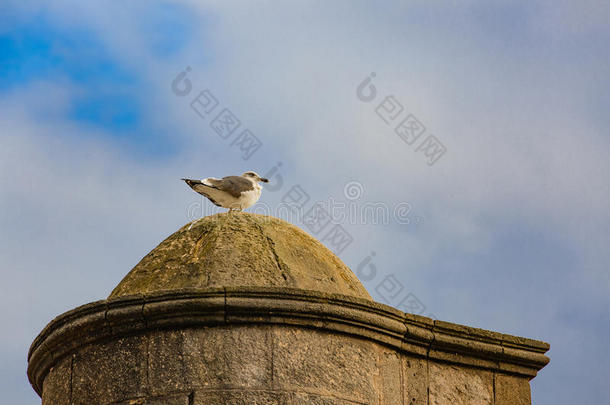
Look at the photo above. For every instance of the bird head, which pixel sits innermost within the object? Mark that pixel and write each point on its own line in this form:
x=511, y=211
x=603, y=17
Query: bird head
x=254, y=176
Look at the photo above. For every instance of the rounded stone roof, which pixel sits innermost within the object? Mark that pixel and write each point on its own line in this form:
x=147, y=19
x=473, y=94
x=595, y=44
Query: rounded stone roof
x=240, y=250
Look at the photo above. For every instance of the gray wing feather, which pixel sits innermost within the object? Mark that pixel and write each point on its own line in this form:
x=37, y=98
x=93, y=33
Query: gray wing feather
x=233, y=185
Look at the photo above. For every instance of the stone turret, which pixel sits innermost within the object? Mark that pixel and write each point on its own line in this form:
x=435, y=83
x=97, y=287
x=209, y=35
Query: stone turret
x=248, y=309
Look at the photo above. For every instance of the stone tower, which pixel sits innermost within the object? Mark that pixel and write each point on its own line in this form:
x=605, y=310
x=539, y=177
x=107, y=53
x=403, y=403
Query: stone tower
x=247, y=309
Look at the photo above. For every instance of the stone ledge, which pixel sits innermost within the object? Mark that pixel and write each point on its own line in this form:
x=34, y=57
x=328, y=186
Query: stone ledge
x=437, y=340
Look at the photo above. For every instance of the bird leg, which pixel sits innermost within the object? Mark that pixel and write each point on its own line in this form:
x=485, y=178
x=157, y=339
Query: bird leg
x=232, y=209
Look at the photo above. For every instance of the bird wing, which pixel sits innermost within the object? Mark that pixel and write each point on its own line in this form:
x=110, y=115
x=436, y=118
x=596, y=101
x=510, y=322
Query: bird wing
x=233, y=185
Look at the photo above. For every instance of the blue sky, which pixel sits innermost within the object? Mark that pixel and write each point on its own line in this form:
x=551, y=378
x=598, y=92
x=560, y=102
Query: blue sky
x=509, y=229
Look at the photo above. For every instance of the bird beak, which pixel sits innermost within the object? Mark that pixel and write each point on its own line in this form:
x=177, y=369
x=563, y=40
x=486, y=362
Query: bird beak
x=264, y=180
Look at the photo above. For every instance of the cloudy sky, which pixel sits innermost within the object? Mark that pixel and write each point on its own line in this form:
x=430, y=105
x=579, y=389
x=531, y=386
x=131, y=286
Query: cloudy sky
x=507, y=229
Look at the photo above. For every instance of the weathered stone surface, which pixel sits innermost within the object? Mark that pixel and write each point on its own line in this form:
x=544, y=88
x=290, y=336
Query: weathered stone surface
x=177, y=399
x=240, y=249
x=238, y=397
x=239, y=340
x=112, y=371
x=236, y=357
x=324, y=364
x=389, y=379
x=166, y=364
x=301, y=398
x=210, y=358
x=415, y=380
x=512, y=390
x=459, y=385
x=58, y=385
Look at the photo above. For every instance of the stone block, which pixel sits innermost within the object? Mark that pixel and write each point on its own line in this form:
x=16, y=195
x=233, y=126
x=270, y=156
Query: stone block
x=177, y=399
x=241, y=397
x=57, y=386
x=415, y=380
x=453, y=385
x=512, y=390
x=302, y=398
x=166, y=367
x=110, y=372
x=389, y=378
x=323, y=363
x=222, y=357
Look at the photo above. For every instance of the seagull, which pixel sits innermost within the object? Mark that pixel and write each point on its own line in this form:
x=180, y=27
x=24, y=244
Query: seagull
x=233, y=192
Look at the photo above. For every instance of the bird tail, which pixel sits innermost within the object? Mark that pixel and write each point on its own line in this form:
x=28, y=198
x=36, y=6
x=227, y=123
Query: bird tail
x=192, y=183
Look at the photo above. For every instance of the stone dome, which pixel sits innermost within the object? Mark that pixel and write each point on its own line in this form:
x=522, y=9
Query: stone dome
x=248, y=309
x=240, y=250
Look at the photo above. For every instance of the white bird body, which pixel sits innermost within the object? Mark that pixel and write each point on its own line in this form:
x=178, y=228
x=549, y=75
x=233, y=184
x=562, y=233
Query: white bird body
x=232, y=192
x=245, y=200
